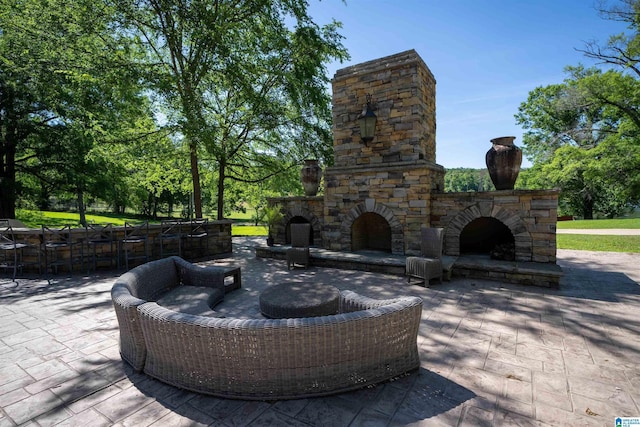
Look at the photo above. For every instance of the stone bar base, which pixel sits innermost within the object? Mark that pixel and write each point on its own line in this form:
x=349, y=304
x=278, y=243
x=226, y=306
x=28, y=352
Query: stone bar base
x=217, y=242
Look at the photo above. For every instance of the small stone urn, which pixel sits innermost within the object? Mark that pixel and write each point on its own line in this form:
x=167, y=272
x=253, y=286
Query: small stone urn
x=503, y=162
x=310, y=174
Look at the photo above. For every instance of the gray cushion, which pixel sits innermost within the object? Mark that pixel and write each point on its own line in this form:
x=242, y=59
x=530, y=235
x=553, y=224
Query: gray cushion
x=198, y=300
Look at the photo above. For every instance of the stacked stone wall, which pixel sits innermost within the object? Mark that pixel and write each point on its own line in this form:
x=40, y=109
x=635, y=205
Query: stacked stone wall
x=530, y=215
x=395, y=174
x=404, y=190
x=403, y=97
x=311, y=209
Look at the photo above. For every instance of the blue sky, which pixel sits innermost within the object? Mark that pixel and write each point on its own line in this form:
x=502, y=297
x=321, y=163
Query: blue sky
x=486, y=55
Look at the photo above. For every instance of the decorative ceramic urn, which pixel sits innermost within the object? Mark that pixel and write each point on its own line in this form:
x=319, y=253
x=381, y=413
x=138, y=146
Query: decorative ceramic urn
x=310, y=174
x=503, y=162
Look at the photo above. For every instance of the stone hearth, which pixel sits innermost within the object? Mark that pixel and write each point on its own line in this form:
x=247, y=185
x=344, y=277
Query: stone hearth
x=378, y=194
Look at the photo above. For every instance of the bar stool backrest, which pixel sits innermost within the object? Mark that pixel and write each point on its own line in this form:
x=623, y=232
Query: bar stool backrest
x=7, y=241
x=198, y=227
x=99, y=233
x=170, y=228
x=431, y=242
x=136, y=233
x=55, y=236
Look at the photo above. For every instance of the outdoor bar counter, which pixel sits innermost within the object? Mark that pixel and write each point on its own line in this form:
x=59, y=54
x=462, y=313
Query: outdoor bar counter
x=214, y=239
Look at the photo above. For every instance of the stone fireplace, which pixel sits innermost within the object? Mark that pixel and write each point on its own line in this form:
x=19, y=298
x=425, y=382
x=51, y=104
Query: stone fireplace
x=378, y=194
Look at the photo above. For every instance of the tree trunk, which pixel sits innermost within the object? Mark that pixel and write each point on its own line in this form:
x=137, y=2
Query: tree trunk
x=195, y=177
x=221, y=177
x=81, y=210
x=7, y=194
x=8, y=158
x=43, y=197
x=153, y=204
x=7, y=198
x=587, y=207
x=7, y=181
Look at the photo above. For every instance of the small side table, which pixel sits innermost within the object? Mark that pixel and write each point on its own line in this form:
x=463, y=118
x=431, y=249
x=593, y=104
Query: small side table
x=233, y=272
x=289, y=300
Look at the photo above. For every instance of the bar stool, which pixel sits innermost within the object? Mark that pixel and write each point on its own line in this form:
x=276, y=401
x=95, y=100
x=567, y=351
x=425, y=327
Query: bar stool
x=198, y=232
x=101, y=244
x=170, y=232
x=12, y=250
x=134, y=235
x=56, y=243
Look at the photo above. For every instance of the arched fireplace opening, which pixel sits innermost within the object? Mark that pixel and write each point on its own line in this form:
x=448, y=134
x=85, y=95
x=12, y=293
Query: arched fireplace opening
x=370, y=231
x=488, y=236
x=297, y=220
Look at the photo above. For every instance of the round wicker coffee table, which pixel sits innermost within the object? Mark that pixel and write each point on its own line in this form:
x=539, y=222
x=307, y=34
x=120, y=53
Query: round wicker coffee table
x=290, y=300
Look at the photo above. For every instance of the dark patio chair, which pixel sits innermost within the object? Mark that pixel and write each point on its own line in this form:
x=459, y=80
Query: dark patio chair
x=298, y=253
x=429, y=265
x=198, y=232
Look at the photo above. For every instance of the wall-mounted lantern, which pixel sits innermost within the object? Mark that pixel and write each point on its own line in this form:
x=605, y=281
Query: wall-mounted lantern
x=367, y=120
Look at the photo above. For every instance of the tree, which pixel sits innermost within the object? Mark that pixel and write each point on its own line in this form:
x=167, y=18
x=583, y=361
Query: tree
x=622, y=51
x=464, y=179
x=582, y=135
x=237, y=82
x=67, y=83
x=572, y=133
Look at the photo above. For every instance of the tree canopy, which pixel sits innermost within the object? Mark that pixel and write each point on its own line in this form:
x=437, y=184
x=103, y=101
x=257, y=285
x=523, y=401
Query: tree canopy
x=583, y=135
x=144, y=91
x=465, y=179
x=67, y=83
x=244, y=82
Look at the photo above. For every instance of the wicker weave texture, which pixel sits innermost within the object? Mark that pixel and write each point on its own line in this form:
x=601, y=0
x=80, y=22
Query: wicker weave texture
x=292, y=299
x=431, y=242
x=148, y=282
x=429, y=265
x=298, y=253
x=300, y=235
x=132, y=347
x=285, y=358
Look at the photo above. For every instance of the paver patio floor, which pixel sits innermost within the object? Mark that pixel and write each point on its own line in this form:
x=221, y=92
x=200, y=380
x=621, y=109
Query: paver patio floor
x=491, y=353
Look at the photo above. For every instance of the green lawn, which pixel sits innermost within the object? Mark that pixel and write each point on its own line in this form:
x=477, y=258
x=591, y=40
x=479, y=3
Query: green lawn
x=600, y=223
x=35, y=219
x=248, y=230
x=242, y=216
x=603, y=243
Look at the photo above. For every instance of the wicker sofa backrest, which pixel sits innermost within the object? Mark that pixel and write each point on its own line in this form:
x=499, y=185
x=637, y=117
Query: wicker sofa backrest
x=194, y=275
x=146, y=282
x=282, y=358
x=151, y=280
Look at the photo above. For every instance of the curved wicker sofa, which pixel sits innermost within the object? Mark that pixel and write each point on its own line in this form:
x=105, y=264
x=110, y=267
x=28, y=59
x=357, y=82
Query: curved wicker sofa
x=151, y=282
x=370, y=341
